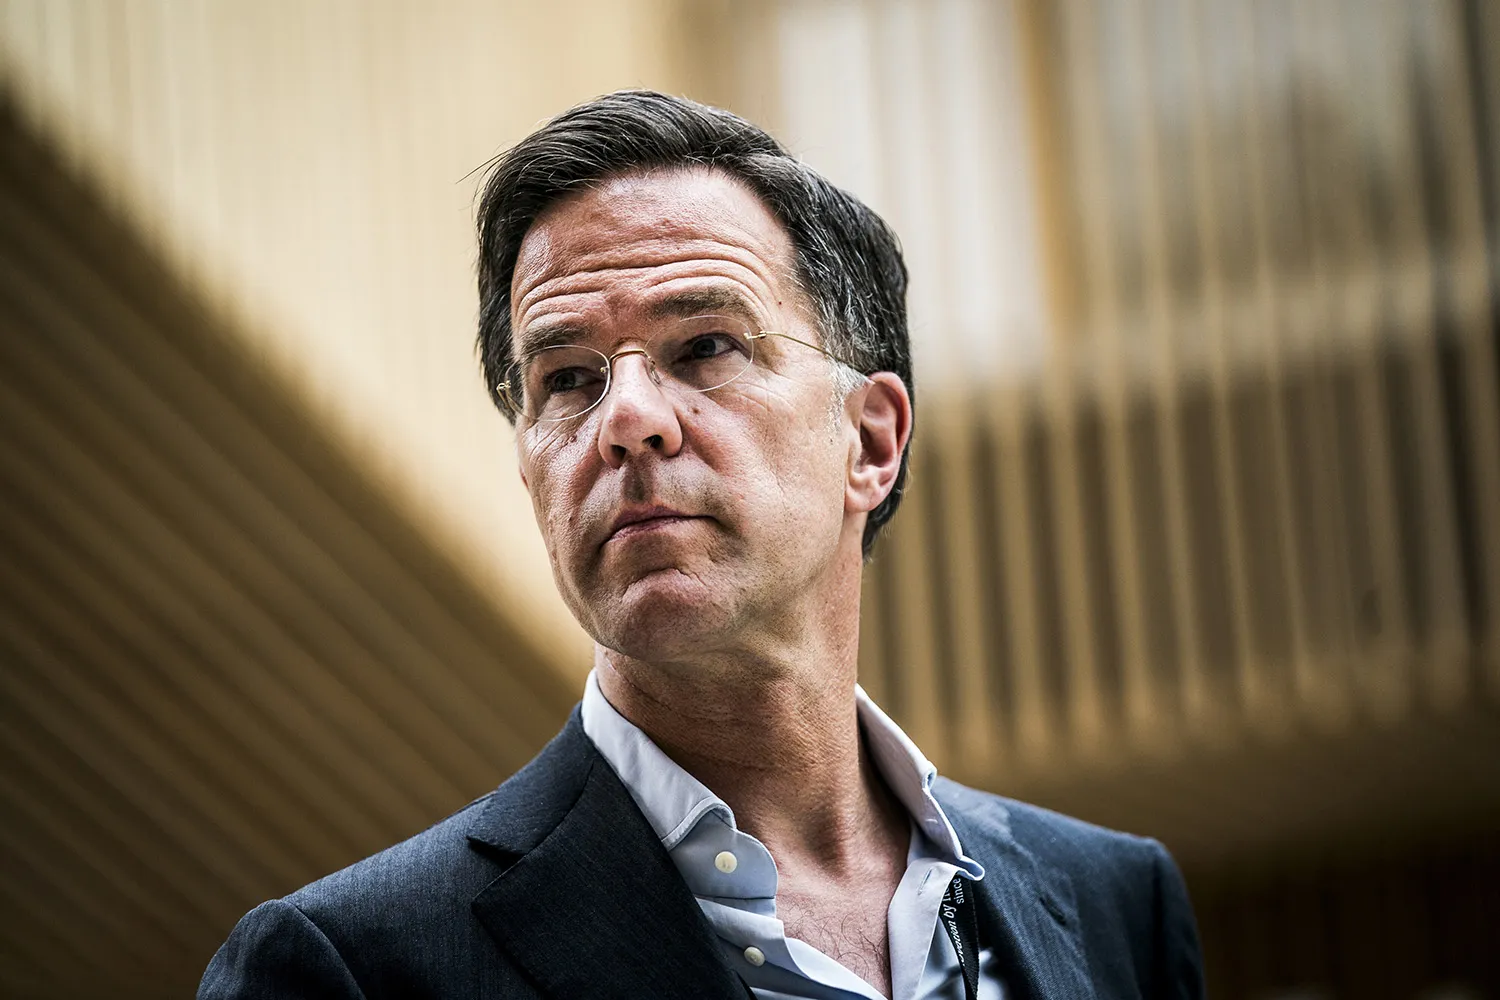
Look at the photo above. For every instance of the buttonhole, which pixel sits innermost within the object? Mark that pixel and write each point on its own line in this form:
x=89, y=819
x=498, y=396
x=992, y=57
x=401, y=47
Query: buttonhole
x=1051, y=907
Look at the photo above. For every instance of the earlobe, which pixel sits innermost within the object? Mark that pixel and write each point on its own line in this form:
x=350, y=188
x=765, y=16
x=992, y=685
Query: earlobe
x=882, y=415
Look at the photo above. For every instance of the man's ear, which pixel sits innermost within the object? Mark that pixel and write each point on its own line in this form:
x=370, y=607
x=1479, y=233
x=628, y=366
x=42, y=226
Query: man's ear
x=881, y=411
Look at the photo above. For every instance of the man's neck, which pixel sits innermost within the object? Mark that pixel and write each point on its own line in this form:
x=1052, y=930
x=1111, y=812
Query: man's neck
x=785, y=753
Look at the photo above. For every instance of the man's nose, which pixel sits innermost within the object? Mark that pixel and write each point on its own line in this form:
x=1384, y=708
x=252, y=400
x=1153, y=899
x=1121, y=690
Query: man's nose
x=638, y=413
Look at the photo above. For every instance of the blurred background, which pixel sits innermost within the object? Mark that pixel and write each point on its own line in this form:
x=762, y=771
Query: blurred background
x=1203, y=536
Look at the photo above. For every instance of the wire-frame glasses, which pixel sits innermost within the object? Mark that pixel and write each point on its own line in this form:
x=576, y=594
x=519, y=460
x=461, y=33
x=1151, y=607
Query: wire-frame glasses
x=562, y=381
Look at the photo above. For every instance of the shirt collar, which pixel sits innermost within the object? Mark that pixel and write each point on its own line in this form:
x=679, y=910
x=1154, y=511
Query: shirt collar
x=909, y=775
x=674, y=801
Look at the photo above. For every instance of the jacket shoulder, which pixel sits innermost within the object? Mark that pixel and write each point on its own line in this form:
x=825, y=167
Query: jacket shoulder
x=451, y=861
x=401, y=922
x=1133, y=910
x=1116, y=877
x=1063, y=841
x=436, y=862
x=371, y=929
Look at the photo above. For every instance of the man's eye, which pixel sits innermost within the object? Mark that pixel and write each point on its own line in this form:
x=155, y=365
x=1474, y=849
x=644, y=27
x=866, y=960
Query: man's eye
x=710, y=345
x=566, y=380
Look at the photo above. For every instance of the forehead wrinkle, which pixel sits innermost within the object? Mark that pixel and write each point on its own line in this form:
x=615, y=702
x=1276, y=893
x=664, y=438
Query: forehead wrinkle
x=596, y=266
x=554, y=291
x=647, y=219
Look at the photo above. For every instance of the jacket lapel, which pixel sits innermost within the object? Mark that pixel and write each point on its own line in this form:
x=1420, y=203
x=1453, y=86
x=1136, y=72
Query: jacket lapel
x=1027, y=909
x=593, y=907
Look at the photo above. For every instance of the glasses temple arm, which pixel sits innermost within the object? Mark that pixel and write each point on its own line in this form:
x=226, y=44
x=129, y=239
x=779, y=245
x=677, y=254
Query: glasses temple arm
x=824, y=351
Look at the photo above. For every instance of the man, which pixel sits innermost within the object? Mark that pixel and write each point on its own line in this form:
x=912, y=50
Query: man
x=703, y=346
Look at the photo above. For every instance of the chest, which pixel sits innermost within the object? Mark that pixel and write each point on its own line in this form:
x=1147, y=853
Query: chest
x=850, y=927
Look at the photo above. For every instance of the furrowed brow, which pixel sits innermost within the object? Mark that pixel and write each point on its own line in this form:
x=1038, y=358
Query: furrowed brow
x=545, y=335
x=678, y=305
x=701, y=302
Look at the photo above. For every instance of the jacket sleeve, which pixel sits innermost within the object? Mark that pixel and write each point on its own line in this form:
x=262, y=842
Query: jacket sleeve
x=1179, y=959
x=277, y=951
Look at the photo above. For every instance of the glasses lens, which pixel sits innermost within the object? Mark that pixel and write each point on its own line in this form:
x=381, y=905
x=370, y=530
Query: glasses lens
x=562, y=382
x=703, y=352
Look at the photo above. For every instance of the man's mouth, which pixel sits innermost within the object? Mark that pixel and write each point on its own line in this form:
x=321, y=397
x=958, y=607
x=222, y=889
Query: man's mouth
x=643, y=527
x=643, y=520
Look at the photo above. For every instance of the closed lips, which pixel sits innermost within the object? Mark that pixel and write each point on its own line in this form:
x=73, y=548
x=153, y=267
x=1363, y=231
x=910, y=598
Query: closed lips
x=643, y=519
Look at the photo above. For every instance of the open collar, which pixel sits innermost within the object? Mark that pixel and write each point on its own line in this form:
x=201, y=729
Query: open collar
x=674, y=802
x=671, y=799
x=590, y=905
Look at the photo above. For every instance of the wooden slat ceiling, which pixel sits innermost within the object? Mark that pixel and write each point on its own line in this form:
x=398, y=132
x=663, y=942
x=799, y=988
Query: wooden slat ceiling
x=229, y=665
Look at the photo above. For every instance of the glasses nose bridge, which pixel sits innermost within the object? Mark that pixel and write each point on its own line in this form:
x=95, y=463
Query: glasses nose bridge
x=625, y=352
x=652, y=371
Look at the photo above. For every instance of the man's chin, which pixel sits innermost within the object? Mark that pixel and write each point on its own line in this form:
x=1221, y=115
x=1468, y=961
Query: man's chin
x=661, y=615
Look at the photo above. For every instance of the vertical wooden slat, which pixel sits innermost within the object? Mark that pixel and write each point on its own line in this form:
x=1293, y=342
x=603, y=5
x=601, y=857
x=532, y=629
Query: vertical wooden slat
x=1042, y=82
x=1084, y=708
x=1473, y=310
x=971, y=712
x=1202, y=704
x=1301, y=269
x=1033, y=733
x=1207, y=191
x=1384, y=646
x=1144, y=716
x=1000, y=619
x=1327, y=341
x=915, y=655
x=1261, y=132
x=966, y=98
x=1412, y=307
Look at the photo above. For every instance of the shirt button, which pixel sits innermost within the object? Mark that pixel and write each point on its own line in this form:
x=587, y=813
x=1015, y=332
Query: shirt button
x=755, y=956
x=726, y=863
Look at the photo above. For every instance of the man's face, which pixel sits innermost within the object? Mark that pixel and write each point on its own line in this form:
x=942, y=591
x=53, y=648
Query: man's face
x=757, y=469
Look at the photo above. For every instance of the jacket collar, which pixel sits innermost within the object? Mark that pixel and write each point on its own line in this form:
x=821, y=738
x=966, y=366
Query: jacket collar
x=1028, y=913
x=592, y=905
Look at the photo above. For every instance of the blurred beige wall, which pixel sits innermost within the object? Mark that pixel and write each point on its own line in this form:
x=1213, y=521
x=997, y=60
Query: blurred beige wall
x=920, y=109
x=311, y=166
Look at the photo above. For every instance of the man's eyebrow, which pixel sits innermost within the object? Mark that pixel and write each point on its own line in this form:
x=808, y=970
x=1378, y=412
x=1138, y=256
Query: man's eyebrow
x=545, y=335
x=677, y=305
x=701, y=302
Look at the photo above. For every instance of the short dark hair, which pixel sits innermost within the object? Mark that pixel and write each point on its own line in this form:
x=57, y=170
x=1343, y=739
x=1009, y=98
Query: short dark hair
x=848, y=260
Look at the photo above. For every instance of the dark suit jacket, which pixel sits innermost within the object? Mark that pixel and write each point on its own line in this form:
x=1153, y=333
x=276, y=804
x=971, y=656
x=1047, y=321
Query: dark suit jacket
x=554, y=885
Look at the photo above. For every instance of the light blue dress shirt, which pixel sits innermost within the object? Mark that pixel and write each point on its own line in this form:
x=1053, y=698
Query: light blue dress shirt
x=734, y=877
